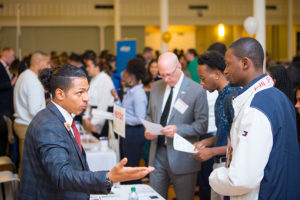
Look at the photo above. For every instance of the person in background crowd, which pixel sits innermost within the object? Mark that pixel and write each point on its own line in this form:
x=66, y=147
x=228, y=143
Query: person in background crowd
x=76, y=60
x=207, y=166
x=281, y=80
x=263, y=160
x=88, y=55
x=100, y=97
x=211, y=71
x=6, y=94
x=191, y=57
x=63, y=58
x=135, y=103
x=55, y=165
x=29, y=97
x=180, y=106
x=115, y=76
x=184, y=64
x=24, y=64
x=293, y=71
x=153, y=70
x=147, y=55
x=103, y=57
x=297, y=57
x=219, y=47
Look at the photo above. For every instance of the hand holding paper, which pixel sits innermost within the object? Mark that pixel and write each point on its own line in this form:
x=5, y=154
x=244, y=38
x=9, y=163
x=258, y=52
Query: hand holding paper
x=152, y=127
x=181, y=144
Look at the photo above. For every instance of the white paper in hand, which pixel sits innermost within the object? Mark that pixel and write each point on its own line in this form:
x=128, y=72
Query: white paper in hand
x=181, y=144
x=152, y=127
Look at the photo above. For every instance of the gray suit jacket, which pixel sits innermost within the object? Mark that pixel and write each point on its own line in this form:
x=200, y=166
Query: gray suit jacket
x=191, y=124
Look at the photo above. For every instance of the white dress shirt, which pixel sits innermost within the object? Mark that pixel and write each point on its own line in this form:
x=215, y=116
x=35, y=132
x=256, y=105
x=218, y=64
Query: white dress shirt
x=29, y=97
x=67, y=116
x=100, y=96
x=176, y=89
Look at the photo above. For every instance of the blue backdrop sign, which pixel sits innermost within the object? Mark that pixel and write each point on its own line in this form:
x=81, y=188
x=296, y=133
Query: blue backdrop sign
x=125, y=51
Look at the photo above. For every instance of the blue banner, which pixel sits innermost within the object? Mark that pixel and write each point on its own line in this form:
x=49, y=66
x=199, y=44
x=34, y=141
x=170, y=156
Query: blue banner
x=125, y=51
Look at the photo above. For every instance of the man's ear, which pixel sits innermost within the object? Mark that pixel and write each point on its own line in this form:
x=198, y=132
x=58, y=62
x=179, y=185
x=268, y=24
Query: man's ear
x=245, y=62
x=59, y=94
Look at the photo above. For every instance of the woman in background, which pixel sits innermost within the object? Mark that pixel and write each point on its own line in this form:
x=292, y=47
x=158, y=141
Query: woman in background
x=135, y=103
x=100, y=96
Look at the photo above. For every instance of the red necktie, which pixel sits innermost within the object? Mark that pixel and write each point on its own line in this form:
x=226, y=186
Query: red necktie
x=76, y=134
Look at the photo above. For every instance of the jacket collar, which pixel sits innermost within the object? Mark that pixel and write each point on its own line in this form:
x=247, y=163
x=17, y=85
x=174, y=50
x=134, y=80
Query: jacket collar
x=81, y=155
x=260, y=83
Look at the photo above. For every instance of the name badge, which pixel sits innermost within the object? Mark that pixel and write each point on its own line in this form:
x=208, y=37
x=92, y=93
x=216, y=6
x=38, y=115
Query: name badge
x=181, y=106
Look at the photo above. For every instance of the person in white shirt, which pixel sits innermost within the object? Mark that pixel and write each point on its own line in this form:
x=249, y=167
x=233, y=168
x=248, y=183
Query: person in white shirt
x=100, y=96
x=29, y=97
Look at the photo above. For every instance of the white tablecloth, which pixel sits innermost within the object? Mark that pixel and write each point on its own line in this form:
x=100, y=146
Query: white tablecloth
x=100, y=159
x=121, y=192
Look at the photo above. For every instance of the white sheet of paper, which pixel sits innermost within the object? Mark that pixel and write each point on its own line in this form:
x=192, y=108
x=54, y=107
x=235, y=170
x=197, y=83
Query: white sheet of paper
x=153, y=128
x=119, y=120
x=102, y=114
x=181, y=144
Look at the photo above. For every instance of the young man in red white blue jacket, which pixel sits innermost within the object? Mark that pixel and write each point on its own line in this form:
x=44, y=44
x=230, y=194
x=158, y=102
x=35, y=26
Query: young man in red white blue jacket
x=263, y=160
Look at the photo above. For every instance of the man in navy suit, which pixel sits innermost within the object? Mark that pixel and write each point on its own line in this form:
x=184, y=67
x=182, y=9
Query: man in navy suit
x=6, y=93
x=54, y=162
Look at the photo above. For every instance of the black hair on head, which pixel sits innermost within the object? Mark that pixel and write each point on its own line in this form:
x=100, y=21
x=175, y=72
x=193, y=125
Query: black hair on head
x=283, y=81
x=250, y=48
x=136, y=66
x=192, y=51
x=60, y=77
x=219, y=47
x=213, y=60
x=75, y=57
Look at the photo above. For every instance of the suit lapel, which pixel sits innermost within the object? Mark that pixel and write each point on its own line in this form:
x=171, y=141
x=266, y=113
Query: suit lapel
x=54, y=109
x=181, y=95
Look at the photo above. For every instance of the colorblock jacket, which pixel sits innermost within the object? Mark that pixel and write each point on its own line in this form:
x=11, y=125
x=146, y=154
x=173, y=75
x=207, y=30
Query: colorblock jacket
x=263, y=153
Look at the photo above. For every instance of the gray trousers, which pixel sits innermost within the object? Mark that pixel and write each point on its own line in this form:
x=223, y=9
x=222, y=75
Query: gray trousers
x=162, y=176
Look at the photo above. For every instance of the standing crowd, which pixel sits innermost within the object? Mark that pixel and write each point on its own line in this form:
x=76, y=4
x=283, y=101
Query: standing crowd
x=243, y=123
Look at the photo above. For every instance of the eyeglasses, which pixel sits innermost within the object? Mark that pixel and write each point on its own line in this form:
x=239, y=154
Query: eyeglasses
x=169, y=74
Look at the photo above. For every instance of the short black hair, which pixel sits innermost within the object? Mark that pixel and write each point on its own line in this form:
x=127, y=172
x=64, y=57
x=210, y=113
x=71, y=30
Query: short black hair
x=136, y=66
x=192, y=51
x=219, y=47
x=75, y=57
x=213, y=60
x=60, y=77
x=250, y=48
x=89, y=54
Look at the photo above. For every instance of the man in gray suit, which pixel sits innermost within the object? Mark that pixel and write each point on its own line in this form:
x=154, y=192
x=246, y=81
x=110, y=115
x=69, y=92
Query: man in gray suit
x=180, y=105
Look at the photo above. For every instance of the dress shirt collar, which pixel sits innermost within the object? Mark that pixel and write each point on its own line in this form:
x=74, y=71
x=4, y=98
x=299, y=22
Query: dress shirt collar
x=137, y=87
x=68, y=117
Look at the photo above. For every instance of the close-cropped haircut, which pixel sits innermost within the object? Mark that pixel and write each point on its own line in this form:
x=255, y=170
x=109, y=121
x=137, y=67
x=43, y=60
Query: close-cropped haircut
x=213, y=60
x=250, y=48
x=60, y=77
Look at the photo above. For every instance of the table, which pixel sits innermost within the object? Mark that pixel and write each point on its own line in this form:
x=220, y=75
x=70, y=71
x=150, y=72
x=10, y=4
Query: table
x=121, y=192
x=99, y=159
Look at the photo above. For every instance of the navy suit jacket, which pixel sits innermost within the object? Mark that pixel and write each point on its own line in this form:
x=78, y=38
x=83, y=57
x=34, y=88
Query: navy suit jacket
x=53, y=165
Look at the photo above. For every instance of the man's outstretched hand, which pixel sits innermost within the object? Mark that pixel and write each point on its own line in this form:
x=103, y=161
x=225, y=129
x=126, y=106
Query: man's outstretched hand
x=120, y=173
